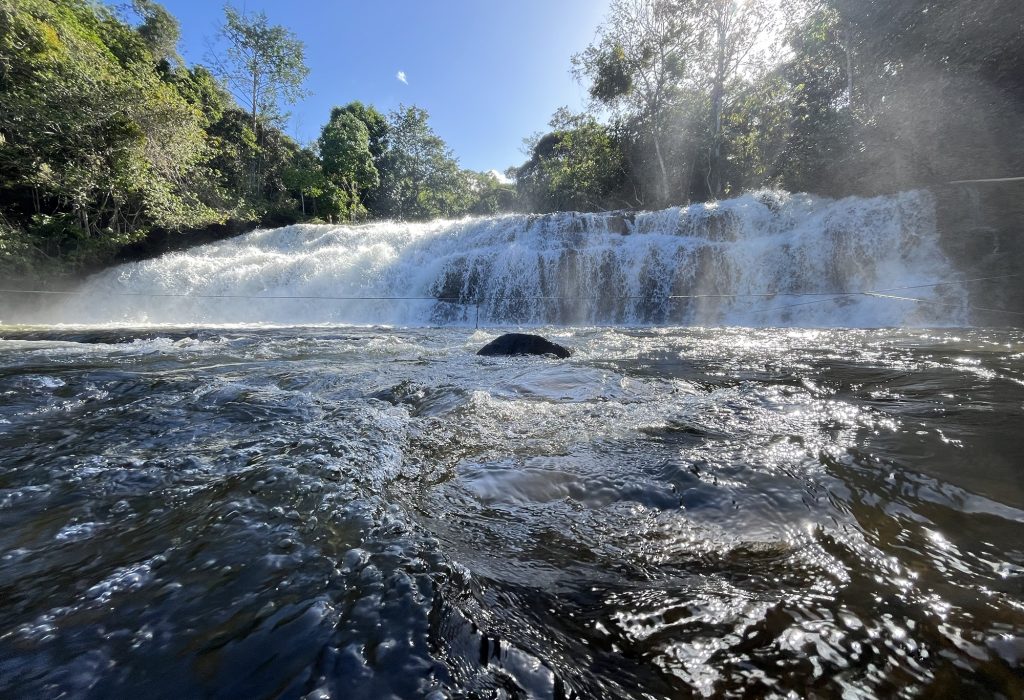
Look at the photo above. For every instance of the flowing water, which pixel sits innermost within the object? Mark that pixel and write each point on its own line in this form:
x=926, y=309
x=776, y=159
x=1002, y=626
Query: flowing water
x=241, y=506
x=380, y=513
x=768, y=259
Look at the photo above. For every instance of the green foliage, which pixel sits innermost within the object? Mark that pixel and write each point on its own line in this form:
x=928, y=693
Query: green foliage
x=816, y=155
x=375, y=122
x=576, y=166
x=17, y=254
x=639, y=67
x=347, y=159
x=490, y=195
x=263, y=64
x=159, y=30
x=420, y=178
x=198, y=87
x=613, y=77
x=305, y=179
x=89, y=135
x=104, y=136
x=755, y=132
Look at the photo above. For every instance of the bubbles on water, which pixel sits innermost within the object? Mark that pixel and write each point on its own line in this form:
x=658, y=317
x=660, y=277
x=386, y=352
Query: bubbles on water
x=75, y=531
x=129, y=578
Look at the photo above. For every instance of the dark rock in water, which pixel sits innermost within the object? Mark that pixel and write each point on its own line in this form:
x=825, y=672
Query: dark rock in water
x=621, y=223
x=523, y=344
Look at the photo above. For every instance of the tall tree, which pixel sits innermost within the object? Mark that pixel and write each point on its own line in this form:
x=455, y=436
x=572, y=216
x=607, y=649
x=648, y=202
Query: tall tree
x=578, y=165
x=635, y=67
x=159, y=30
x=420, y=178
x=345, y=151
x=818, y=153
x=375, y=122
x=377, y=127
x=263, y=67
x=263, y=64
x=735, y=28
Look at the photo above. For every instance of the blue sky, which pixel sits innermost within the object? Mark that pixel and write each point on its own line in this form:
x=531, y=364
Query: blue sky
x=490, y=72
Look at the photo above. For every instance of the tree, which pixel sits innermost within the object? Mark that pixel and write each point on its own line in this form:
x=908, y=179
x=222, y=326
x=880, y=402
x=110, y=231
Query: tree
x=735, y=27
x=755, y=132
x=376, y=124
x=490, y=195
x=636, y=66
x=106, y=136
x=576, y=166
x=817, y=155
x=97, y=146
x=345, y=151
x=305, y=176
x=159, y=30
x=263, y=64
x=939, y=90
x=198, y=87
x=420, y=178
x=263, y=67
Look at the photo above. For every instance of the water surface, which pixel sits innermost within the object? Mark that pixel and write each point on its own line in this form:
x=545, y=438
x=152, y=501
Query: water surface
x=370, y=513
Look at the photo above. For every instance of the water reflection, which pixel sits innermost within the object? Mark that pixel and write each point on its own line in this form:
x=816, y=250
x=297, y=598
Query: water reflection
x=367, y=513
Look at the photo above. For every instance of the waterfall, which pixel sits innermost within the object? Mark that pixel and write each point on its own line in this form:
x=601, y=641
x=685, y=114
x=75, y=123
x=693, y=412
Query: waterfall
x=747, y=261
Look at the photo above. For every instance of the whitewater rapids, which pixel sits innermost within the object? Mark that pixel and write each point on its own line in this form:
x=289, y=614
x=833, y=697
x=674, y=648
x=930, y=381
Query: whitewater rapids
x=763, y=259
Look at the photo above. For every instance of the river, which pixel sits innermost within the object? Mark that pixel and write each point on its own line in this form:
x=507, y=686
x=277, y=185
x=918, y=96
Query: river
x=257, y=512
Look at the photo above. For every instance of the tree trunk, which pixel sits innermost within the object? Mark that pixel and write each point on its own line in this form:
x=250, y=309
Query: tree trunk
x=691, y=166
x=253, y=171
x=83, y=221
x=663, y=185
x=717, y=95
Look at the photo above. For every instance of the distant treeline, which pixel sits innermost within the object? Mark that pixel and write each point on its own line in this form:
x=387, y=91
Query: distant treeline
x=108, y=137
x=708, y=98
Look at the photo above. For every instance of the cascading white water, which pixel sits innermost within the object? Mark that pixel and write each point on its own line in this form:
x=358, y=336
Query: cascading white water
x=747, y=260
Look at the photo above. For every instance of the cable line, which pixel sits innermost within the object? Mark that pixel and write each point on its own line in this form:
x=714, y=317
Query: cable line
x=460, y=300
x=990, y=179
x=943, y=303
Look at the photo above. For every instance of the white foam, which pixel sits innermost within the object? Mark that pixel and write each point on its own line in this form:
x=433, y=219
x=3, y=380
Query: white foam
x=562, y=268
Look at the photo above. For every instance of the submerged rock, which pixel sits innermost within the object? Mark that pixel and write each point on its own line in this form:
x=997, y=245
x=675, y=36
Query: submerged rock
x=523, y=344
x=621, y=223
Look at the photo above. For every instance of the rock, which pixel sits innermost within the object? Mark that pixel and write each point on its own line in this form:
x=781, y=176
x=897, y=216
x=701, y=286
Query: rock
x=621, y=223
x=523, y=344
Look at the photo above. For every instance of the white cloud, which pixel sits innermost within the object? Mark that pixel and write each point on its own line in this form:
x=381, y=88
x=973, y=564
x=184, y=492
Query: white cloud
x=401, y=77
x=501, y=177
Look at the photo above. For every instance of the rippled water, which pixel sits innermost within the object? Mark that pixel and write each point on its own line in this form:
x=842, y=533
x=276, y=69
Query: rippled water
x=372, y=513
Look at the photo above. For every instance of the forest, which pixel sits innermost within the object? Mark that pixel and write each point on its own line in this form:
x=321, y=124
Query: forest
x=108, y=138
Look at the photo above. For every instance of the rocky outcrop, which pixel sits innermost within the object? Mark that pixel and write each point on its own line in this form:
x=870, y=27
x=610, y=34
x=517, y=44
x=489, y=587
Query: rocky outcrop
x=523, y=344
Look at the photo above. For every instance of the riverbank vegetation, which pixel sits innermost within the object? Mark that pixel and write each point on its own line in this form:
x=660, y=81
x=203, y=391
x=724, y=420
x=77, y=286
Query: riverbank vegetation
x=108, y=139
x=709, y=98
